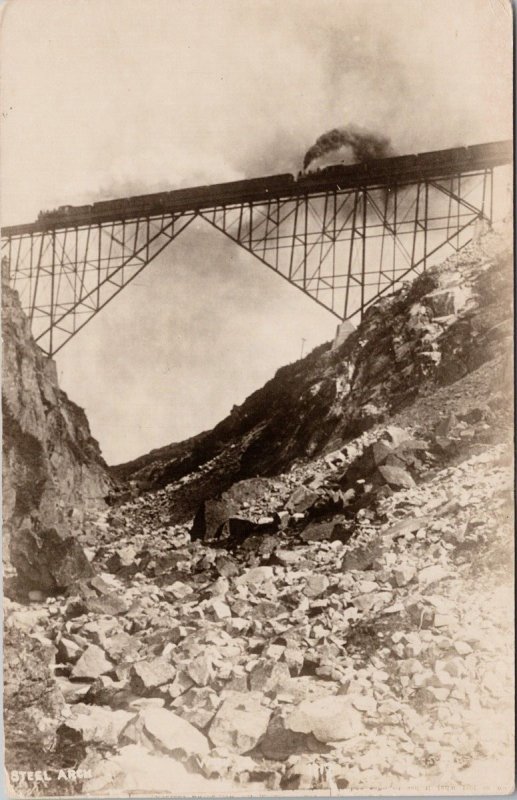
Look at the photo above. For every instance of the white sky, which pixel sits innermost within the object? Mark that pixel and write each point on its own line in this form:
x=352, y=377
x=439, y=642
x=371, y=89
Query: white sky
x=104, y=97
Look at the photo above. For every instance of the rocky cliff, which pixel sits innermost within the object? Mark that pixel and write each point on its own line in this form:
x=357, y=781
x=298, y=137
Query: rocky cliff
x=430, y=333
x=53, y=471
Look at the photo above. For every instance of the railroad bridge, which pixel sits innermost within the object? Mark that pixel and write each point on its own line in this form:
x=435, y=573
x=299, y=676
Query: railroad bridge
x=344, y=235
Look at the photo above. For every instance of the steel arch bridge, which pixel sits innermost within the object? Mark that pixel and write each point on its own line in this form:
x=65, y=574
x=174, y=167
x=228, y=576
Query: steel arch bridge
x=344, y=235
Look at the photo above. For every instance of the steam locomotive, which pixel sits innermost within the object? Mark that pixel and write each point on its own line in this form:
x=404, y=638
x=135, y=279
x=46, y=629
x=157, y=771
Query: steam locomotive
x=395, y=169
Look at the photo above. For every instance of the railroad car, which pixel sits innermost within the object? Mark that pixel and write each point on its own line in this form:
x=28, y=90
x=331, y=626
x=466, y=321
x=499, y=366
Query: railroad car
x=256, y=189
x=496, y=151
x=68, y=212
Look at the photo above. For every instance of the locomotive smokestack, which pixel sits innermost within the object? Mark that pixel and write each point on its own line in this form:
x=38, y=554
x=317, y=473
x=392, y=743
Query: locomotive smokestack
x=364, y=144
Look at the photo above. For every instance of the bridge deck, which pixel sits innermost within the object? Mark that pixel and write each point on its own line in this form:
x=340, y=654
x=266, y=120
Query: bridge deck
x=394, y=171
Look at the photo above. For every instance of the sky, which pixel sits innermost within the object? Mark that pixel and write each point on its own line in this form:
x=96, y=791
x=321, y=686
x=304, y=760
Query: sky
x=106, y=98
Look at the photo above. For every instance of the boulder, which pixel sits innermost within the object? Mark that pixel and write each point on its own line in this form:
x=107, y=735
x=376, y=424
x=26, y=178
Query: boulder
x=240, y=723
x=268, y=676
x=200, y=669
x=108, y=692
x=148, y=675
x=279, y=743
x=330, y=719
x=219, y=609
x=432, y=574
x=210, y=518
x=110, y=604
x=396, y=477
x=226, y=566
x=364, y=465
x=121, y=647
x=134, y=771
x=173, y=733
x=407, y=526
x=123, y=558
x=404, y=574
x=237, y=529
x=315, y=585
x=47, y=559
x=336, y=529
x=197, y=706
x=92, y=664
x=255, y=576
x=301, y=500
x=247, y=491
x=180, y=590
x=98, y=725
x=69, y=649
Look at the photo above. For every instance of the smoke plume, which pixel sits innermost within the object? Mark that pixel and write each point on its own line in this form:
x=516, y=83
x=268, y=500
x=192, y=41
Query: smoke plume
x=363, y=143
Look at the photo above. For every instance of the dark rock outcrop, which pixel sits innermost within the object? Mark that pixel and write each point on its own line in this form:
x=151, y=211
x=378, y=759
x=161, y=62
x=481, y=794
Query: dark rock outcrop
x=47, y=560
x=52, y=467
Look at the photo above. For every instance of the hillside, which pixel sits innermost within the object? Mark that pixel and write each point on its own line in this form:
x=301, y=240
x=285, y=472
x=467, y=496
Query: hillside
x=339, y=618
x=449, y=321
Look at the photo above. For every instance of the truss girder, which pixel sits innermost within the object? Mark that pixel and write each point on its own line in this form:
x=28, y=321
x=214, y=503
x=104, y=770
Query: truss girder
x=65, y=277
x=343, y=248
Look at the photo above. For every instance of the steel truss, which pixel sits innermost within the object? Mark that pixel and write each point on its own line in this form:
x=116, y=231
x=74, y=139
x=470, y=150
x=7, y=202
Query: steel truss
x=342, y=247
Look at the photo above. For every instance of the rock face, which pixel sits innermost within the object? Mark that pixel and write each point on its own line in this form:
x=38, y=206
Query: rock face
x=52, y=467
x=448, y=322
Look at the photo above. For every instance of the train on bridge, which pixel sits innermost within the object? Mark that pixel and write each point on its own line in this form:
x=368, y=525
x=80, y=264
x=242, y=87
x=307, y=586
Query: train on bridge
x=395, y=170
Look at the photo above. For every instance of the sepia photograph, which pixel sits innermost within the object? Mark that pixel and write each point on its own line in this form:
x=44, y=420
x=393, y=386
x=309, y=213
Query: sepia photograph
x=257, y=264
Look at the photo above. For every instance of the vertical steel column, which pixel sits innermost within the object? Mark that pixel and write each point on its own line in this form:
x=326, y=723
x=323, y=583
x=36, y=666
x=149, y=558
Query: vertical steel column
x=36, y=282
x=334, y=237
x=76, y=263
x=351, y=253
x=277, y=250
x=321, y=247
x=268, y=212
x=451, y=190
x=32, y=277
x=363, y=257
x=395, y=203
x=123, y=248
x=384, y=227
x=426, y=215
x=52, y=281
x=483, y=198
x=415, y=229
x=491, y=197
x=99, y=262
x=239, y=229
x=305, y=241
x=458, y=206
x=295, y=225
